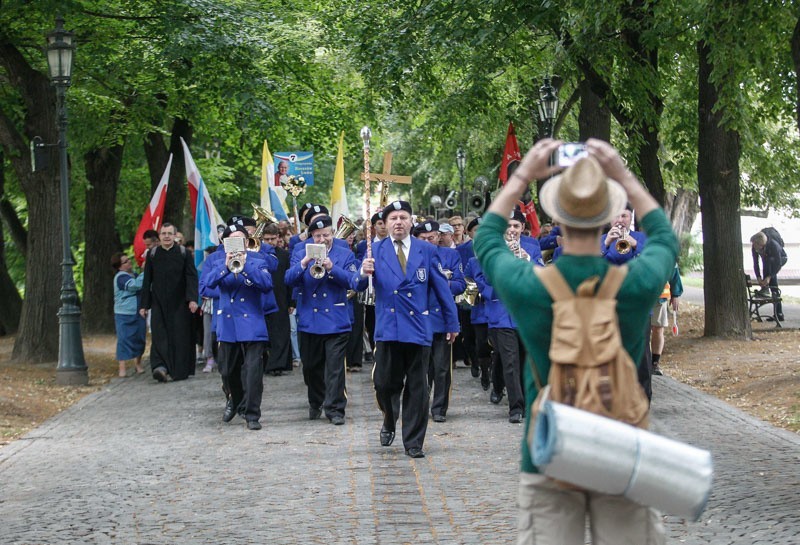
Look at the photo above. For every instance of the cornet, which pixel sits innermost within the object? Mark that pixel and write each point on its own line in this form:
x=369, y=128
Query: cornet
x=317, y=269
x=622, y=245
x=236, y=264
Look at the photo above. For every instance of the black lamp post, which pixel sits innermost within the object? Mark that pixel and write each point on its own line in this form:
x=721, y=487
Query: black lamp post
x=71, y=368
x=548, y=107
x=461, y=161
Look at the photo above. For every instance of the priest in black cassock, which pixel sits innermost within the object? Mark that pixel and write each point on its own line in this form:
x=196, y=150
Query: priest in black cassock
x=169, y=290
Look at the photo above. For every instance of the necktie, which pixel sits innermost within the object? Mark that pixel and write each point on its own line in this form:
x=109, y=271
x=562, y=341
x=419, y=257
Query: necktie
x=401, y=257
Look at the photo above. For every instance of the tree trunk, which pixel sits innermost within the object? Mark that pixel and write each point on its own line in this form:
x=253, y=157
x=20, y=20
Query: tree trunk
x=594, y=119
x=176, y=194
x=103, y=168
x=37, y=340
x=718, y=181
x=682, y=208
x=10, y=300
x=796, y=61
x=157, y=157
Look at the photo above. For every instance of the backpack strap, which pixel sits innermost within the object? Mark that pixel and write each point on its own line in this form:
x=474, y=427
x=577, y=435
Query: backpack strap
x=554, y=283
x=612, y=282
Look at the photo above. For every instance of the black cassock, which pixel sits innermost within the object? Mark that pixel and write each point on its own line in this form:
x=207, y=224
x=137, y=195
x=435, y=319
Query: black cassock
x=280, y=355
x=170, y=283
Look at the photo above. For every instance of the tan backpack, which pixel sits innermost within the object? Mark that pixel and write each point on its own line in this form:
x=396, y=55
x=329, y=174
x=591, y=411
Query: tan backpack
x=589, y=367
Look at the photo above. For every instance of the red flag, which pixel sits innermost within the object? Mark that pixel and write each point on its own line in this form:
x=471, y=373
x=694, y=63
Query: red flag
x=529, y=211
x=510, y=153
x=153, y=215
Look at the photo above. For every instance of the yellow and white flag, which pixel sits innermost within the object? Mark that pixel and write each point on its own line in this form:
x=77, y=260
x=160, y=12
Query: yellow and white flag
x=339, y=205
x=273, y=197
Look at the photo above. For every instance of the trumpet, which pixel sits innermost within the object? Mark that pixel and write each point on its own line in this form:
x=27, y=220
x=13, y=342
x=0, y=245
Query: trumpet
x=317, y=270
x=236, y=264
x=513, y=244
x=622, y=245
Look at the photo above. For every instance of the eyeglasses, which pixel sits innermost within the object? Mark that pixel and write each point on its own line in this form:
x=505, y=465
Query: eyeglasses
x=123, y=261
x=454, y=225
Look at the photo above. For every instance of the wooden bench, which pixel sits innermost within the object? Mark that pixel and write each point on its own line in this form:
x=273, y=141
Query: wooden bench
x=757, y=299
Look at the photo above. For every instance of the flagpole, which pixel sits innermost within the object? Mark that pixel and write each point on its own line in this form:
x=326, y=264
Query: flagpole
x=365, y=136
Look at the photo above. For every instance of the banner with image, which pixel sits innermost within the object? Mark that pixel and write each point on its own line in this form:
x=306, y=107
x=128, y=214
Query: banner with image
x=294, y=163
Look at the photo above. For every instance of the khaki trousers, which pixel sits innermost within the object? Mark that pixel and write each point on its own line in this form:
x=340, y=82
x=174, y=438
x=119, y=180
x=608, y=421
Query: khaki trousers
x=552, y=515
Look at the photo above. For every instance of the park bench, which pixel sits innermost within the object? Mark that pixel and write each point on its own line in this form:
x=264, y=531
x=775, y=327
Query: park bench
x=757, y=299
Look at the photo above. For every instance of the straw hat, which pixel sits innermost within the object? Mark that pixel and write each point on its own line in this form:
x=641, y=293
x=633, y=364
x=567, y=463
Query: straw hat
x=583, y=196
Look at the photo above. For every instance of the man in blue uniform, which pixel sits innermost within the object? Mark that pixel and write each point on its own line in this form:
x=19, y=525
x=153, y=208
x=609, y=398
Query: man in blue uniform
x=241, y=329
x=404, y=269
x=324, y=321
x=621, y=230
x=440, y=369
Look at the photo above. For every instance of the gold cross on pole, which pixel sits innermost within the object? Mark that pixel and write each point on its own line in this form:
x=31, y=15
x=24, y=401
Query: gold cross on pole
x=386, y=178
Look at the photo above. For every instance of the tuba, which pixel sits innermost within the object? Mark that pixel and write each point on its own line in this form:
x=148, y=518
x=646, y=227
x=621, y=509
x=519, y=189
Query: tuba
x=263, y=218
x=471, y=294
x=346, y=228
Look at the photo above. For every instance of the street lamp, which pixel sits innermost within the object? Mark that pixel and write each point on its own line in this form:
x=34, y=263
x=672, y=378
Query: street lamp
x=548, y=107
x=461, y=161
x=71, y=368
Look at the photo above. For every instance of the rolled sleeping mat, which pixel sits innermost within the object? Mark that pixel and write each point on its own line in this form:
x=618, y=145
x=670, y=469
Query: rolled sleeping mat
x=607, y=456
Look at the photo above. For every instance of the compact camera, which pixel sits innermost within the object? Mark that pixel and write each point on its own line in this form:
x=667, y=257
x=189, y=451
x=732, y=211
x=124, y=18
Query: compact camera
x=568, y=154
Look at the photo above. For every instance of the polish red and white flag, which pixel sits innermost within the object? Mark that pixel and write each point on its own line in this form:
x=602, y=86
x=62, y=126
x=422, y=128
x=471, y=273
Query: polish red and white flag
x=153, y=215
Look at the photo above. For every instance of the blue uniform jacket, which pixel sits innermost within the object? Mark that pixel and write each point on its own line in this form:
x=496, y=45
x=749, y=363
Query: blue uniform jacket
x=477, y=314
x=496, y=314
x=531, y=245
x=465, y=252
x=550, y=242
x=241, y=305
x=322, y=306
x=612, y=255
x=401, y=301
x=450, y=261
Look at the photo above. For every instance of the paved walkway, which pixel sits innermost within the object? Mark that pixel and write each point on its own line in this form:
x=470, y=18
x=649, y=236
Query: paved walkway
x=145, y=463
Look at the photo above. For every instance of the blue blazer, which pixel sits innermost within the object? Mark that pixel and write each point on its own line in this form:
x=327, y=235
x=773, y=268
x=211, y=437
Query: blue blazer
x=322, y=306
x=401, y=300
x=450, y=261
x=496, y=314
x=241, y=304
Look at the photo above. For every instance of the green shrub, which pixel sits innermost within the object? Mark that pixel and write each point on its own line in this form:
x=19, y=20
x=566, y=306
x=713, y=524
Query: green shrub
x=691, y=255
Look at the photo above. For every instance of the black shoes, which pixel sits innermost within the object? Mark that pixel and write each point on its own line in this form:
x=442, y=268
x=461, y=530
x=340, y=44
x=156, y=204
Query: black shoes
x=230, y=411
x=515, y=418
x=439, y=418
x=161, y=375
x=415, y=452
x=657, y=370
x=314, y=414
x=485, y=383
x=475, y=370
x=495, y=398
x=253, y=425
x=337, y=420
x=387, y=437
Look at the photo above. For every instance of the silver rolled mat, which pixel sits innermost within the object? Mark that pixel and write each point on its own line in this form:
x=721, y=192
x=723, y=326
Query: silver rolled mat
x=607, y=456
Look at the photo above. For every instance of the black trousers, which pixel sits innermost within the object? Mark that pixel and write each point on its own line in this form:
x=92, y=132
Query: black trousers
x=483, y=350
x=355, y=344
x=467, y=336
x=510, y=353
x=440, y=373
x=644, y=370
x=402, y=367
x=323, y=371
x=369, y=323
x=279, y=355
x=241, y=367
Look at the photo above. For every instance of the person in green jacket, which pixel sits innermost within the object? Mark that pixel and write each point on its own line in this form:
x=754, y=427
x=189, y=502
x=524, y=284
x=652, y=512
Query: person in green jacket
x=582, y=199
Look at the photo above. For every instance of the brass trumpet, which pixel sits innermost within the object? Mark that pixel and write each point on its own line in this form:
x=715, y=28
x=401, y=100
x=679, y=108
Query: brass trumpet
x=264, y=218
x=623, y=246
x=236, y=264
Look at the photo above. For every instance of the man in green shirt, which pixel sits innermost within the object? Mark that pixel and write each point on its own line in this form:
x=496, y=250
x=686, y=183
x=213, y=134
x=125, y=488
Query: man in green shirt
x=582, y=200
